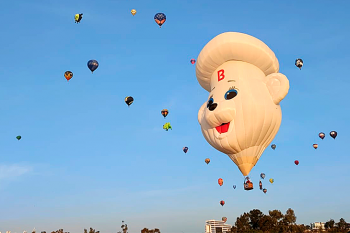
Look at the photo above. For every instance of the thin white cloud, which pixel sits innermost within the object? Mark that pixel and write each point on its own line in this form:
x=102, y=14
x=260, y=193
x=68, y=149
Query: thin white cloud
x=14, y=170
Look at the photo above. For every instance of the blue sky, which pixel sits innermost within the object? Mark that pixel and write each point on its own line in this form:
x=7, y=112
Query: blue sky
x=87, y=160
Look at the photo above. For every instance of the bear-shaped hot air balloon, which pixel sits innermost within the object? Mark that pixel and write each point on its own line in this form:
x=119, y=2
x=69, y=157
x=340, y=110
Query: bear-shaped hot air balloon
x=242, y=114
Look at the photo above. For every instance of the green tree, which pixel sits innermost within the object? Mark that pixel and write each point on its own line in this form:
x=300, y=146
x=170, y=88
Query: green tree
x=342, y=225
x=266, y=223
x=242, y=223
x=255, y=217
x=276, y=217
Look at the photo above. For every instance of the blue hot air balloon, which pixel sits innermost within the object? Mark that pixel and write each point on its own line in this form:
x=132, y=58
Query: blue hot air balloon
x=92, y=64
x=262, y=175
x=234, y=186
x=185, y=149
x=160, y=18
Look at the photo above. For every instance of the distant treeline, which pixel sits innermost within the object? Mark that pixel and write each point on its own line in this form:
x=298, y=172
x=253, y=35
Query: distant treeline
x=275, y=222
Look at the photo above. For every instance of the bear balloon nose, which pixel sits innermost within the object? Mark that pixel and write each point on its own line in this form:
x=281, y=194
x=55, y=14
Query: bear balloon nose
x=212, y=106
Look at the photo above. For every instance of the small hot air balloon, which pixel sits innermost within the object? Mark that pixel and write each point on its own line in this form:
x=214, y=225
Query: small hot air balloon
x=264, y=190
x=224, y=219
x=262, y=175
x=321, y=135
x=271, y=180
x=160, y=18
x=193, y=61
x=333, y=134
x=220, y=181
x=315, y=146
x=222, y=203
x=260, y=184
x=234, y=186
x=248, y=185
x=299, y=63
x=133, y=12
x=167, y=126
x=93, y=65
x=68, y=75
x=273, y=146
x=185, y=149
x=18, y=137
x=129, y=100
x=296, y=162
x=164, y=112
x=207, y=160
x=78, y=17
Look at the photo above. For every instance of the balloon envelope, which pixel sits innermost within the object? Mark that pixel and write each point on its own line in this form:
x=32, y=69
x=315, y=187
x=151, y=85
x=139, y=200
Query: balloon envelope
x=220, y=181
x=160, y=18
x=321, y=135
x=240, y=122
x=299, y=63
x=133, y=12
x=296, y=162
x=193, y=61
x=164, y=112
x=129, y=100
x=93, y=65
x=315, y=146
x=333, y=134
x=68, y=75
x=224, y=219
x=273, y=146
x=222, y=203
x=207, y=160
x=18, y=137
x=185, y=149
x=264, y=190
x=271, y=180
x=262, y=175
x=234, y=186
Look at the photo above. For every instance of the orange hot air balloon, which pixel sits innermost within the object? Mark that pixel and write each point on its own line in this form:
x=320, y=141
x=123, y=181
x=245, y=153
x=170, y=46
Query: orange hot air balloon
x=164, y=112
x=222, y=203
x=207, y=160
x=315, y=146
x=68, y=75
x=220, y=181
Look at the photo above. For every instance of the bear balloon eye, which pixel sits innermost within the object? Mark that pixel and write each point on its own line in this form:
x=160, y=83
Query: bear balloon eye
x=230, y=94
x=210, y=102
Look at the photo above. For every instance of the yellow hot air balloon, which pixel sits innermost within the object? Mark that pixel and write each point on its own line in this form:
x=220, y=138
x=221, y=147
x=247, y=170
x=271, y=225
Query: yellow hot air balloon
x=271, y=180
x=133, y=12
x=242, y=114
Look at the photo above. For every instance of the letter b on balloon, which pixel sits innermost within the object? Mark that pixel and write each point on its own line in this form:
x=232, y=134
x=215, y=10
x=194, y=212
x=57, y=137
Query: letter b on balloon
x=221, y=75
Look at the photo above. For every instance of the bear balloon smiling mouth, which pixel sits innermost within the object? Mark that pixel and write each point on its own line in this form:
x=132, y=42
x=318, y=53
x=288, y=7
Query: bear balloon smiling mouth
x=223, y=128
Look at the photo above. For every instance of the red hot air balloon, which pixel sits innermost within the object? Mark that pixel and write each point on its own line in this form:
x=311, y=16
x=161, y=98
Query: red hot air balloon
x=222, y=203
x=220, y=181
x=296, y=162
x=193, y=61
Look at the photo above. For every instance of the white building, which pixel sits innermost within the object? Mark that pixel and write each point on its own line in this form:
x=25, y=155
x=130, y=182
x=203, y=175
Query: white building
x=317, y=225
x=215, y=226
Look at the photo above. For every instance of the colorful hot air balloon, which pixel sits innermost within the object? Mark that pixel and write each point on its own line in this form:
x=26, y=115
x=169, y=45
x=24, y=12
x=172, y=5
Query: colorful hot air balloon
x=220, y=181
x=224, y=219
x=321, y=135
x=223, y=68
x=68, y=75
x=164, y=112
x=262, y=175
x=234, y=186
x=78, y=17
x=18, y=137
x=333, y=134
x=93, y=65
x=264, y=190
x=133, y=12
x=222, y=203
x=193, y=61
x=207, y=160
x=260, y=184
x=273, y=146
x=296, y=162
x=299, y=63
x=167, y=126
x=185, y=149
x=129, y=100
x=315, y=146
x=271, y=180
x=160, y=18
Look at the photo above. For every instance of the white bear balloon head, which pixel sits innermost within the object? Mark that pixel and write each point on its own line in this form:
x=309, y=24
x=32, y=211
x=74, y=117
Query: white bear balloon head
x=242, y=114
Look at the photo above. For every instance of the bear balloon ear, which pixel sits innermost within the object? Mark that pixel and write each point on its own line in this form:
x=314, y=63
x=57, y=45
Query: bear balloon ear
x=201, y=112
x=278, y=86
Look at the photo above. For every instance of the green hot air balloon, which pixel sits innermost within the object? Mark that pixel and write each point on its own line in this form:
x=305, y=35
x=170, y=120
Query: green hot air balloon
x=18, y=137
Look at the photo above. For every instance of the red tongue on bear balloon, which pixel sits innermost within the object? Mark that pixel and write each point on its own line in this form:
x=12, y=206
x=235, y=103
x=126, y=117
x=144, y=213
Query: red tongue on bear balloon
x=223, y=128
